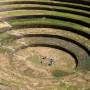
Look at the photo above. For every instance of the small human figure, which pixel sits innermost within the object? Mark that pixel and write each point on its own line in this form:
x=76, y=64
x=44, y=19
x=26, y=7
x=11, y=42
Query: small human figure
x=43, y=57
x=51, y=62
x=41, y=62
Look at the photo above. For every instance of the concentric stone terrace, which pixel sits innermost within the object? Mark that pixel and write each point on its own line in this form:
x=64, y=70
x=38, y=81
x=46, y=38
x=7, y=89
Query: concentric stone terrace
x=44, y=42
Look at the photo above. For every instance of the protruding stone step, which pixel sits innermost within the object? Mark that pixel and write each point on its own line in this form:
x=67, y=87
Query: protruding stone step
x=4, y=24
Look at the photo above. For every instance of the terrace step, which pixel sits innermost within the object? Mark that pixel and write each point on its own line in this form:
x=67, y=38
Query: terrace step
x=58, y=43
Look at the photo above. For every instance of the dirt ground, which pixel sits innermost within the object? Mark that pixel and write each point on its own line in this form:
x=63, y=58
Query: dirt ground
x=21, y=73
x=31, y=68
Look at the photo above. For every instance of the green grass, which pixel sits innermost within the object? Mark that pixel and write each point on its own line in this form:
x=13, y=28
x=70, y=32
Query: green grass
x=54, y=2
x=43, y=6
x=47, y=22
x=6, y=39
x=58, y=73
x=45, y=12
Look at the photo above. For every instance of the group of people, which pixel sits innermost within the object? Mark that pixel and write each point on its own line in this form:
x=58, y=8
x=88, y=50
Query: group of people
x=46, y=60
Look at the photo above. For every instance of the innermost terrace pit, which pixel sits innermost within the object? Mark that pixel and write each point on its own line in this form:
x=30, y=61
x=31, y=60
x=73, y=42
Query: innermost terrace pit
x=46, y=60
